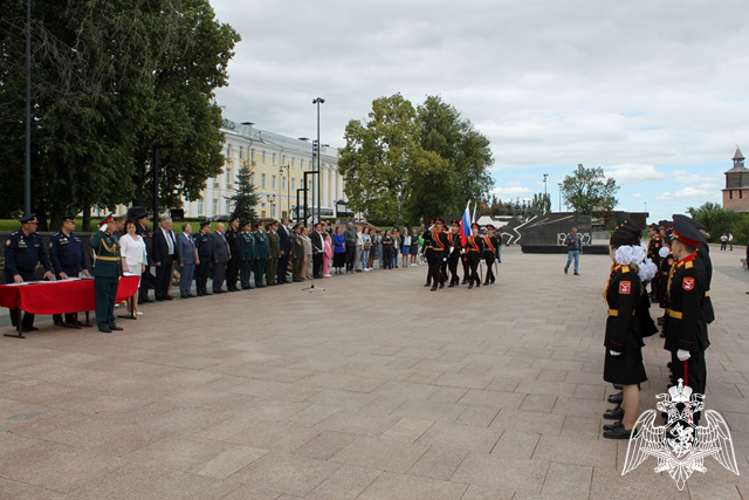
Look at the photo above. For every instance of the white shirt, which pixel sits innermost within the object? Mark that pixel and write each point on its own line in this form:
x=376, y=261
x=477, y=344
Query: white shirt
x=133, y=251
x=406, y=241
x=169, y=241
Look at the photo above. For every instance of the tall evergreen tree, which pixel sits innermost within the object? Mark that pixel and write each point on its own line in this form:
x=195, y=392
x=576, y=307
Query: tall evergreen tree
x=245, y=199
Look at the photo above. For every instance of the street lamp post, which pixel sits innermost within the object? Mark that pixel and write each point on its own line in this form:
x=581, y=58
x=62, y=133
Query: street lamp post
x=546, y=176
x=318, y=101
x=27, y=180
x=560, y=196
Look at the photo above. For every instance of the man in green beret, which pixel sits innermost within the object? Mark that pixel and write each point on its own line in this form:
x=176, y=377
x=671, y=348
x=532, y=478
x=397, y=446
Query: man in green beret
x=106, y=254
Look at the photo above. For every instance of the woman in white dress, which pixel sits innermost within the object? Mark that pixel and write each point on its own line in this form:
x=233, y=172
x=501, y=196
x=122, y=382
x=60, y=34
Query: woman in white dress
x=134, y=257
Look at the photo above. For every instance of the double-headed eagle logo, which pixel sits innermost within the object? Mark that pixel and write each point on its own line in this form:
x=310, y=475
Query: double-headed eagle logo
x=680, y=446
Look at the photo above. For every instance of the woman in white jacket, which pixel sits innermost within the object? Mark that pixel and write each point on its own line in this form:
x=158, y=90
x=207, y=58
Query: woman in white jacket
x=134, y=256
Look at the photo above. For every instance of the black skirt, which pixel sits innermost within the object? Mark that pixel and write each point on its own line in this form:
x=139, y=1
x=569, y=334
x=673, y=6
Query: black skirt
x=625, y=369
x=339, y=259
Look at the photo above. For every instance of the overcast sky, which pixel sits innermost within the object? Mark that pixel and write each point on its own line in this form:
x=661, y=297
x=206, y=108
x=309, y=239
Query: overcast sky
x=652, y=91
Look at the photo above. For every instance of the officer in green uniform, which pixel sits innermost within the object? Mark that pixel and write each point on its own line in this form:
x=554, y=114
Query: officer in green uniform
x=261, y=254
x=246, y=253
x=297, y=252
x=106, y=254
x=274, y=253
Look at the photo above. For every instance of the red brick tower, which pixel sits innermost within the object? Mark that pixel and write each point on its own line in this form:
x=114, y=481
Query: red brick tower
x=736, y=193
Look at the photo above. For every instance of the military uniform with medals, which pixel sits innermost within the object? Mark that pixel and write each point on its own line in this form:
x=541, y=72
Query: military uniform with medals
x=106, y=272
x=261, y=254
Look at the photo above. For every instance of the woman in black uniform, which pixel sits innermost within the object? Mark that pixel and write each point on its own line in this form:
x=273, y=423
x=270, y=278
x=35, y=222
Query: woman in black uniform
x=623, y=341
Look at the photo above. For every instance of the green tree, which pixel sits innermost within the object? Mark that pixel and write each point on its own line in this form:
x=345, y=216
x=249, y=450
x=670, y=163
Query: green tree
x=589, y=192
x=109, y=81
x=719, y=221
x=245, y=199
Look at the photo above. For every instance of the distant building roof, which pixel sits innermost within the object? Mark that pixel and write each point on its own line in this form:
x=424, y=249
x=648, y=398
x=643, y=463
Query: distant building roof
x=737, y=155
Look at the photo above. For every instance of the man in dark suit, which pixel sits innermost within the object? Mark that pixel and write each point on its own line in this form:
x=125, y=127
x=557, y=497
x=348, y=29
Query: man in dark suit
x=164, y=253
x=143, y=229
x=221, y=256
x=204, y=245
x=284, y=236
x=318, y=250
x=187, y=255
x=232, y=267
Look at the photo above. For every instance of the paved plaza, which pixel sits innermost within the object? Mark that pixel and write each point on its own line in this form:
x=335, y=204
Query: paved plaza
x=375, y=388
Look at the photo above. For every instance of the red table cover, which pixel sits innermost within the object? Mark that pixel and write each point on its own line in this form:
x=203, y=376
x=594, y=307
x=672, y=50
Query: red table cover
x=59, y=297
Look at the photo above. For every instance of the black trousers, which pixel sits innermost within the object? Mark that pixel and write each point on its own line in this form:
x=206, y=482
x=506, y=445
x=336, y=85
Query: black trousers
x=219, y=274
x=145, y=284
x=489, y=269
x=387, y=257
x=452, y=262
x=232, y=273
x=317, y=265
x=283, y=267
x=106, y=292
x=28, y=319
x=351, y=257
x=201, y=274
x=696, y=374
x=435, y=269
x=69, y=317
x=164, y=278
x=473, y=273
x=466, y=270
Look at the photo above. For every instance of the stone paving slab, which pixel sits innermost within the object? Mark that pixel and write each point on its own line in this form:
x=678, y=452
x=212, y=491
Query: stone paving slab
x=375, y=388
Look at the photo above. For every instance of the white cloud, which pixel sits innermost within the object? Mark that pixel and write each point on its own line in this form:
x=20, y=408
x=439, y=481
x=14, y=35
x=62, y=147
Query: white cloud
x=633, y=173
x=636, y=195
x=707, y=192
x=509, y=192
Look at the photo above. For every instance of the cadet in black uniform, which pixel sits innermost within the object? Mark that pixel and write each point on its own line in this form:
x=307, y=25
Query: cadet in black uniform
x=686, y=328
x=473, y=251
x=143, y=228
x=703, y=259
x=68, y=258
x=453, y=256
x=24, y=249
x=204, y=244
x=232, y=268
x=428, y=250
x=438, y=247
x=490, y=253
x=623, y=339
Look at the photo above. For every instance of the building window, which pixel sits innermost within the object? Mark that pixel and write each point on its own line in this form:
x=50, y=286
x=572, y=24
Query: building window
x=252, y=156
x=229, y=180
x=200, y=206
x=215, y=182
x=252, y=178
x=263, y=157
x=273, y=210
x=228, y=151
x=293, y=184
x=283, y=160
x=262, y=181
x=283, y=183
x=730, y=195
x=241, y=152
x=273, y=182
x=228, y=206
x=293, y=162
x=214, y=207
x=310, y=164
x=274, y=158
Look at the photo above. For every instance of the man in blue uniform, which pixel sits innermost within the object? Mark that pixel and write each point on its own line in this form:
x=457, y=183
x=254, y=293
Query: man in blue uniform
x=68, y=257
x=204, y=244
x=24, y=249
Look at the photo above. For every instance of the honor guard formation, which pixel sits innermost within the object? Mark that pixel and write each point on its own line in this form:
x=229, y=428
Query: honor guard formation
x=445, y=248
x=676, y=264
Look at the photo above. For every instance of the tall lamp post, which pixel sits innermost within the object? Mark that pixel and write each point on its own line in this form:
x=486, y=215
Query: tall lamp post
x=288, y=188
x=318, y=101
x=560, y=196
x=27, y=180
x=546, y=176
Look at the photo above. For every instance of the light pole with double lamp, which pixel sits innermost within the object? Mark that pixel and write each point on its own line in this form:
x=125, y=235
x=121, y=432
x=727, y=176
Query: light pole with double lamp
x=318, y=101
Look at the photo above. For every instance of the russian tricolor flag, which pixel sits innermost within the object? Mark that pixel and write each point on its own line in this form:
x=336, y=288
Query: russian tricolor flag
x=465, y=226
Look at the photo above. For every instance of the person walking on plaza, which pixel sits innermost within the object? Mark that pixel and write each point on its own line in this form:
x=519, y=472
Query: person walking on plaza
x=326, y=257
x=204, y=244
x=261, y=255
x=146, y=279
x=351, y=238
x=274, y=253
x=134, y=257
x=235, y=255
x=490, y=254
x=188, y=258
x=164, y=253
x=414, y=248
x=297, y=253
x=473, y=252
x=730, y=242
x=573, y=242
x=247, y=254
x=339, y=250
x=623, y=364
x=221, y=256
x=68, y=258
x=454, y=247
x=24, y=249
x=438, y=243
x=723, y=241
x=284, y=240
x=106, y=272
